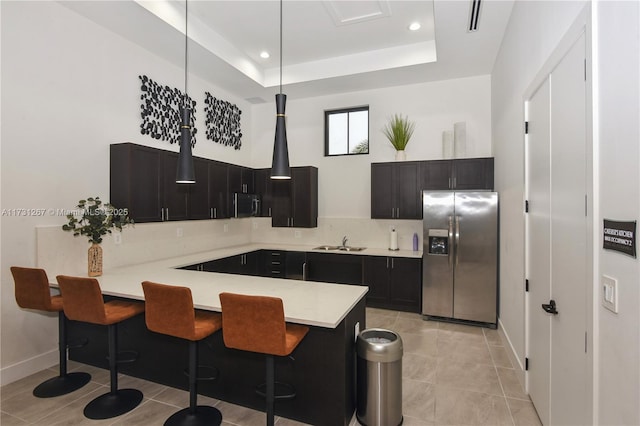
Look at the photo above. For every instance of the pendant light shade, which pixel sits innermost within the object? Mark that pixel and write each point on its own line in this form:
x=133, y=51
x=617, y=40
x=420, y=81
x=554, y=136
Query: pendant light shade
x=280, y=164
x=186, y=172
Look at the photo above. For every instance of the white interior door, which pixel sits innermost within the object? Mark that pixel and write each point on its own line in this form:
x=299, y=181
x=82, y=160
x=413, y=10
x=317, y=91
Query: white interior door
x=569, y=230
x=558, y=243
x=539, y=248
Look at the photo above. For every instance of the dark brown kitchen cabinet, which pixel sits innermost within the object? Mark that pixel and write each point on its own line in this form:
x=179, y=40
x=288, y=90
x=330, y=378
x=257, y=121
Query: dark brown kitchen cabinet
x=394, y=282
x=460, y=174
x=218, y=192
x=295, y=201
x=264, y=191
x=198, y=197
x=241, y=180
x=334, y=268
x=143, y=180
x=241, y=264
x=394, y=191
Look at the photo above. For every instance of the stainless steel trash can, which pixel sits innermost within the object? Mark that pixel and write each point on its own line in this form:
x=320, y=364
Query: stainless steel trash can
x=379, y=378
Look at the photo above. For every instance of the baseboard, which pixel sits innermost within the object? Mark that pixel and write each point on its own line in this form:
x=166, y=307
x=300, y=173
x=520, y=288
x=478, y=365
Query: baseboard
x=513, y=357
x=28, y=367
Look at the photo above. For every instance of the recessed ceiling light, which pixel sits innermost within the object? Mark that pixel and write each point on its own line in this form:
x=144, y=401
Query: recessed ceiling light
x=414, y=26
x=264, y=55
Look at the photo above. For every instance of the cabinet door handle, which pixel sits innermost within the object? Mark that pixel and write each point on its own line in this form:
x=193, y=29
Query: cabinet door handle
x=387, y=263
x=167, y=213
x=393, y=213
x=269, y=211
x=455, y=182
x=211, y=213
x=392, y=263
x=215, y=212
x=450, y=187
x=304, y=271
x=162, y=214
x=398, y=213
x=291, y=221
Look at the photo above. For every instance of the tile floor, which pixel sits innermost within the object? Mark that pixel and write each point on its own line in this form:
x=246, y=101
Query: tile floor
x=452, y=375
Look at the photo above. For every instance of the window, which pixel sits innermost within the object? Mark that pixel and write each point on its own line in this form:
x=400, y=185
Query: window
x=346, y=131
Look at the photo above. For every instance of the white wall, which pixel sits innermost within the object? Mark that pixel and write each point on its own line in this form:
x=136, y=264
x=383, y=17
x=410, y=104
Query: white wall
x=617, y=43
x=69, y=89
x=345, y=182
x=534, y=30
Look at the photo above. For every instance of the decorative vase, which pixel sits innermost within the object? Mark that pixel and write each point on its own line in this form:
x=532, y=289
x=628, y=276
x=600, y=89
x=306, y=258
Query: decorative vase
x=401, y=155
x=95, y=260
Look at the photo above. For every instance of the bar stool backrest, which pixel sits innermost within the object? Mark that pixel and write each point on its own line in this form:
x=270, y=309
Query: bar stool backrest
x=254, y=324
x=169, y=310
x=82, y=299
x=32, y=288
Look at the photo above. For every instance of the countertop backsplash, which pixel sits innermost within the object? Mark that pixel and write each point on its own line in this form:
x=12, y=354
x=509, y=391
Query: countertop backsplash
x=60, y=253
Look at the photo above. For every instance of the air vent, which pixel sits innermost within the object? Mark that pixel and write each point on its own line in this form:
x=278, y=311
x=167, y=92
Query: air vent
x=255, y=100
x=474, y=15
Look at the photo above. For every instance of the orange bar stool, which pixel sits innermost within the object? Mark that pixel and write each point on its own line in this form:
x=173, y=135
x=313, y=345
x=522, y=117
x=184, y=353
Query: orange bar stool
x=32, y=292
x=256, y=324
x=83, y=302
x=169, y=310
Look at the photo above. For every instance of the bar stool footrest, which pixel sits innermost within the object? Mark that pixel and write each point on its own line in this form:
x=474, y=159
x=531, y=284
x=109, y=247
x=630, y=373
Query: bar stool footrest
x=205, y=373
x=203, y=416
x=282, y=391
x=126, y=357
x=111, y=405
x=78, y=343
x=61, y=385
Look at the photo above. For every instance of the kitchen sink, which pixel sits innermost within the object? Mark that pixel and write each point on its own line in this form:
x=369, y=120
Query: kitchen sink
x=342, y=248
x=326, y=248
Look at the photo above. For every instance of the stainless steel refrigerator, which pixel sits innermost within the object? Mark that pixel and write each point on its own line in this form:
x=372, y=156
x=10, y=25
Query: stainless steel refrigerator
x=460, y=256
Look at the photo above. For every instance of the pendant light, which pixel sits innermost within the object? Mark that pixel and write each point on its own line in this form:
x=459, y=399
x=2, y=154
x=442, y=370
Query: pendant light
x=186, y=172
x=280, y=164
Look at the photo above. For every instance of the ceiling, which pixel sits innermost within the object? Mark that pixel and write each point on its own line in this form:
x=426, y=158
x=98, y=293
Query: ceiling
x=327, y=46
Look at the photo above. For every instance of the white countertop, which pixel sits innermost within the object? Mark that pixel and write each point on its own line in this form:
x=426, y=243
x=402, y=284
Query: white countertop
x=305, y=302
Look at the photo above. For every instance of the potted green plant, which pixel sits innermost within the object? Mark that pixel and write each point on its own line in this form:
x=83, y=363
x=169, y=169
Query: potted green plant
x=399, y=130
x=95, y=219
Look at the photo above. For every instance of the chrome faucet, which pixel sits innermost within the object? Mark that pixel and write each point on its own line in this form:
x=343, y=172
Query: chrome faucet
x=344, y=241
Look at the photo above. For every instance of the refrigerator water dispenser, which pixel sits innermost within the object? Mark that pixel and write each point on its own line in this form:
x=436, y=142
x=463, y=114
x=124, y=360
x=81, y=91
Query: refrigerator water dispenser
x=438, y=242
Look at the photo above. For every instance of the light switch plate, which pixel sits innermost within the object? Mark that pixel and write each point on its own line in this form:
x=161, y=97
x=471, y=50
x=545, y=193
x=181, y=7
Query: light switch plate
x=610, y=293
x=117, y=238
x=179, y=232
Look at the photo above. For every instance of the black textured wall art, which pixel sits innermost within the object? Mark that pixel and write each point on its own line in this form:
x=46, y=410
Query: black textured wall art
x=160, y=111
x=222, y=121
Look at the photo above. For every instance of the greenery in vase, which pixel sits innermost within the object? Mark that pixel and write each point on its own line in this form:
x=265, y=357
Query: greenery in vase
x=399, y=130
x=94, y=219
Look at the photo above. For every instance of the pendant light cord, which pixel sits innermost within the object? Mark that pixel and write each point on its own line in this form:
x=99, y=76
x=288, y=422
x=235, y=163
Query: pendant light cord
x=281, y=47
x=186, y=47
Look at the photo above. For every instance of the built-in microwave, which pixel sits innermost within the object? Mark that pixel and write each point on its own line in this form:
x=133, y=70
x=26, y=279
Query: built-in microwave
x=245, y=205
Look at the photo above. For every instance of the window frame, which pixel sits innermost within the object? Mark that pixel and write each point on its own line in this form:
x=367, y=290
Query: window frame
x=348, y=110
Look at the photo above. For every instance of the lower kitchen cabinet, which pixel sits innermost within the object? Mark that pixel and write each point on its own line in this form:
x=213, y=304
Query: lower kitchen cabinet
x=394, y=282
x=242, y=264
x=334, y=268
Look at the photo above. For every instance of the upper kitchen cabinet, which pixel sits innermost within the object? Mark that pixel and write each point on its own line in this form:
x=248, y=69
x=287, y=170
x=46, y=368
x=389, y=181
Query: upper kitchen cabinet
x=394, y=190
x=264, y=189
x=218, y=192
x=295, y=201
x=143, y=180
x=241, y=180
x=198, y=199
x=461, y=174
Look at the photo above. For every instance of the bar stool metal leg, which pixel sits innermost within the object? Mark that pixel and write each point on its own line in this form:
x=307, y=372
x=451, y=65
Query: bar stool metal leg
x=65, y=382
x=195, y=415
x=117, y=401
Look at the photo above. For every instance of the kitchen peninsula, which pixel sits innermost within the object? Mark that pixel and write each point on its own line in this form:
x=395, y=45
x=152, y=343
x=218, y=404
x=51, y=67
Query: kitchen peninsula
x=322, y=369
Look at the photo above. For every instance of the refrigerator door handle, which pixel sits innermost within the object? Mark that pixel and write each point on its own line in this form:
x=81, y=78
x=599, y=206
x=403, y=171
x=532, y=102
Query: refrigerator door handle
x=450, y=239
x=457, y=239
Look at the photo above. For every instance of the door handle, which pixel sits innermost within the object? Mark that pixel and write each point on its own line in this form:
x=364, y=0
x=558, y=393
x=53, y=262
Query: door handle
x=457, y=239
x=550, y=308
x=450, y=239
